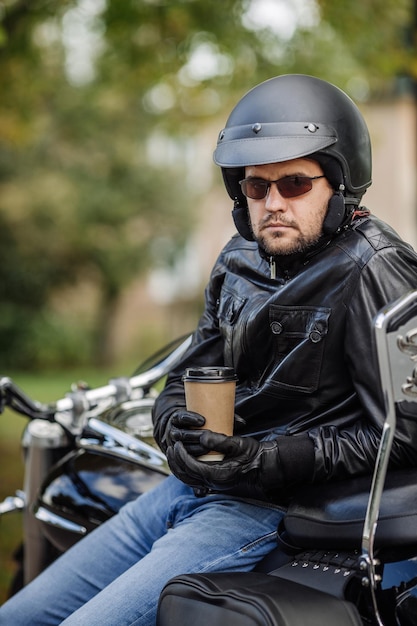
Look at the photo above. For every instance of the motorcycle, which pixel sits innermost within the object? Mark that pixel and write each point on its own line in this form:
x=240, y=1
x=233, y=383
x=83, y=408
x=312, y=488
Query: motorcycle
x=347, y=552
x=85, y=456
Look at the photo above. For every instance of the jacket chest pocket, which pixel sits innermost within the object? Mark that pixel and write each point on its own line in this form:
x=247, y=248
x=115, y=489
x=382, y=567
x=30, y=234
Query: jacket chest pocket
x=298, y=339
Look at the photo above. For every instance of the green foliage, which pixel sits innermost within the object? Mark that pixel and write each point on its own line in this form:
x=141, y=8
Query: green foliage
x=377, y=37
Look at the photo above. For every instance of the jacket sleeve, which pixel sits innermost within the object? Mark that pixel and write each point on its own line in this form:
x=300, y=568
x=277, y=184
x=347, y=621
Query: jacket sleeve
x=351, y=450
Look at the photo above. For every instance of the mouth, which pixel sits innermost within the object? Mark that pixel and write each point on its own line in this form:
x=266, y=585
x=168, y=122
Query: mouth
x=276, y=226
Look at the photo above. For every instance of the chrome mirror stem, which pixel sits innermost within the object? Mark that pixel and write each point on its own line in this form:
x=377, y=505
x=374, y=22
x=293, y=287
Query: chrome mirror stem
x=396, y=347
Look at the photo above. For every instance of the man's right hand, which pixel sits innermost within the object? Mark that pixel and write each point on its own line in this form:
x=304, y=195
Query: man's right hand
x=185, y=426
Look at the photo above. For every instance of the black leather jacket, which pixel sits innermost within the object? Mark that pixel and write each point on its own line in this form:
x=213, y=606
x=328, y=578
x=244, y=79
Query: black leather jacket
x=303, y=348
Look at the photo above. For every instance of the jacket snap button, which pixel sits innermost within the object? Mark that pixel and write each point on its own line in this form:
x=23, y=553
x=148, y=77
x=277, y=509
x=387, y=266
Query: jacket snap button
x=315, y=336
x=276, y=328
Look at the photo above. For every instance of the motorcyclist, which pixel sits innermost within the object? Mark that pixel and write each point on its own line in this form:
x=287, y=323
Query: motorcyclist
x=299, y=334
x=289, y=305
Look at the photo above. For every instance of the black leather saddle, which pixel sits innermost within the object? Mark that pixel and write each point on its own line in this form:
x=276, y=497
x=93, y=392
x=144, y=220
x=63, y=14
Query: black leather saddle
x=331, y=516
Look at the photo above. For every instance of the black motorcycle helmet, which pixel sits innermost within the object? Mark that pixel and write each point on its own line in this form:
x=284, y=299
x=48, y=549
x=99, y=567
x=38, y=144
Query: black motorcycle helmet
x=294, y=116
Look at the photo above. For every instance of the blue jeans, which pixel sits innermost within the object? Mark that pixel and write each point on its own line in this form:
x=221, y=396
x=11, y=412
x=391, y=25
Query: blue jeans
x=115, y=575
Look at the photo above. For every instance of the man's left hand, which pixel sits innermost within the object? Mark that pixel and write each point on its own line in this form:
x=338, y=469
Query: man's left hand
x=246, y=462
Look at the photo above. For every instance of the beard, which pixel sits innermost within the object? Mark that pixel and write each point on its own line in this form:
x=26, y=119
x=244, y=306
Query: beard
x=274, y=244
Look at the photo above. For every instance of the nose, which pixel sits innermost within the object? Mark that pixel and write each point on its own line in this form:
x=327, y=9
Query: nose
x=274, y=201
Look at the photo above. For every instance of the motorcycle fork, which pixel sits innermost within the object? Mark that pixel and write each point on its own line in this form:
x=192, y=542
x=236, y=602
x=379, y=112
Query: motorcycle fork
x=44, y=443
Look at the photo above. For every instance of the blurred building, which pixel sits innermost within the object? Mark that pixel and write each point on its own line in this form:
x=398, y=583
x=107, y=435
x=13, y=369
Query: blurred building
x=393, y=194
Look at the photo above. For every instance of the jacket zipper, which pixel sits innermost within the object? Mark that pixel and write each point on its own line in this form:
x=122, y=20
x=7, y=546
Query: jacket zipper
x=272, y=267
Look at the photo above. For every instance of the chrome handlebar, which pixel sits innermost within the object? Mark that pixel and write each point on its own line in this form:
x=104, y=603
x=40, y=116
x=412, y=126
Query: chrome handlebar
x=71, y=410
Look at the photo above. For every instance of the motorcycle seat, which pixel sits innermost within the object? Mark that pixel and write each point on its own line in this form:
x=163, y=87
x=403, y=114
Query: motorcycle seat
x=331, y=516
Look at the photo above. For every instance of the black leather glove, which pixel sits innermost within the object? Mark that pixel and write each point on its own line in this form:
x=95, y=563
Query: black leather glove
x=250, y=467
x=183, y=426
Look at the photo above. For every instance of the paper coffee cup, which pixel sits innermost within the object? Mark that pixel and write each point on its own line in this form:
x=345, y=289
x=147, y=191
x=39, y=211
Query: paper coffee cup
x=210, y=391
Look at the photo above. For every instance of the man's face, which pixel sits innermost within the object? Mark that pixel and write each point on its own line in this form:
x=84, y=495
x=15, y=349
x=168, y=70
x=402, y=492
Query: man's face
x=285, y=226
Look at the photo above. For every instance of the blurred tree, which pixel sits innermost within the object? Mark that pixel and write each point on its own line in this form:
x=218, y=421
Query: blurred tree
x=88, y=87
x=78, y=200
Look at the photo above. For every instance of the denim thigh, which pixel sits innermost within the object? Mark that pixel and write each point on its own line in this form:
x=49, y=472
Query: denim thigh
x=115, y=575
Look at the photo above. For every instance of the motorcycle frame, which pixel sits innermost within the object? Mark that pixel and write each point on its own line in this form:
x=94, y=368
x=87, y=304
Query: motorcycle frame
x=394, y=351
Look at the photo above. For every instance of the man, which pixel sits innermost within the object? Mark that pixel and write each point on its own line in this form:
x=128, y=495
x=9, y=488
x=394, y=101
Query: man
x=289, y=305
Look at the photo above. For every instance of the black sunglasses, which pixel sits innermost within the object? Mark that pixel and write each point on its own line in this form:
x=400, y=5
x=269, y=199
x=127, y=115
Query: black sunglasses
x=288, y=186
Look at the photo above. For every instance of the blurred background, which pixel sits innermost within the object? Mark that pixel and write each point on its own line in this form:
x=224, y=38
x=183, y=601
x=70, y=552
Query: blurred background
x=111, y=211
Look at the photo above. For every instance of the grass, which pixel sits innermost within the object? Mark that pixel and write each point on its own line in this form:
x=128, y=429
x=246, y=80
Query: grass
x=45, y=387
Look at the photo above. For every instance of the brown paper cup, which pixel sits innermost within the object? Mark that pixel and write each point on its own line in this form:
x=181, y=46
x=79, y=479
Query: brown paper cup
x=210, y=391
